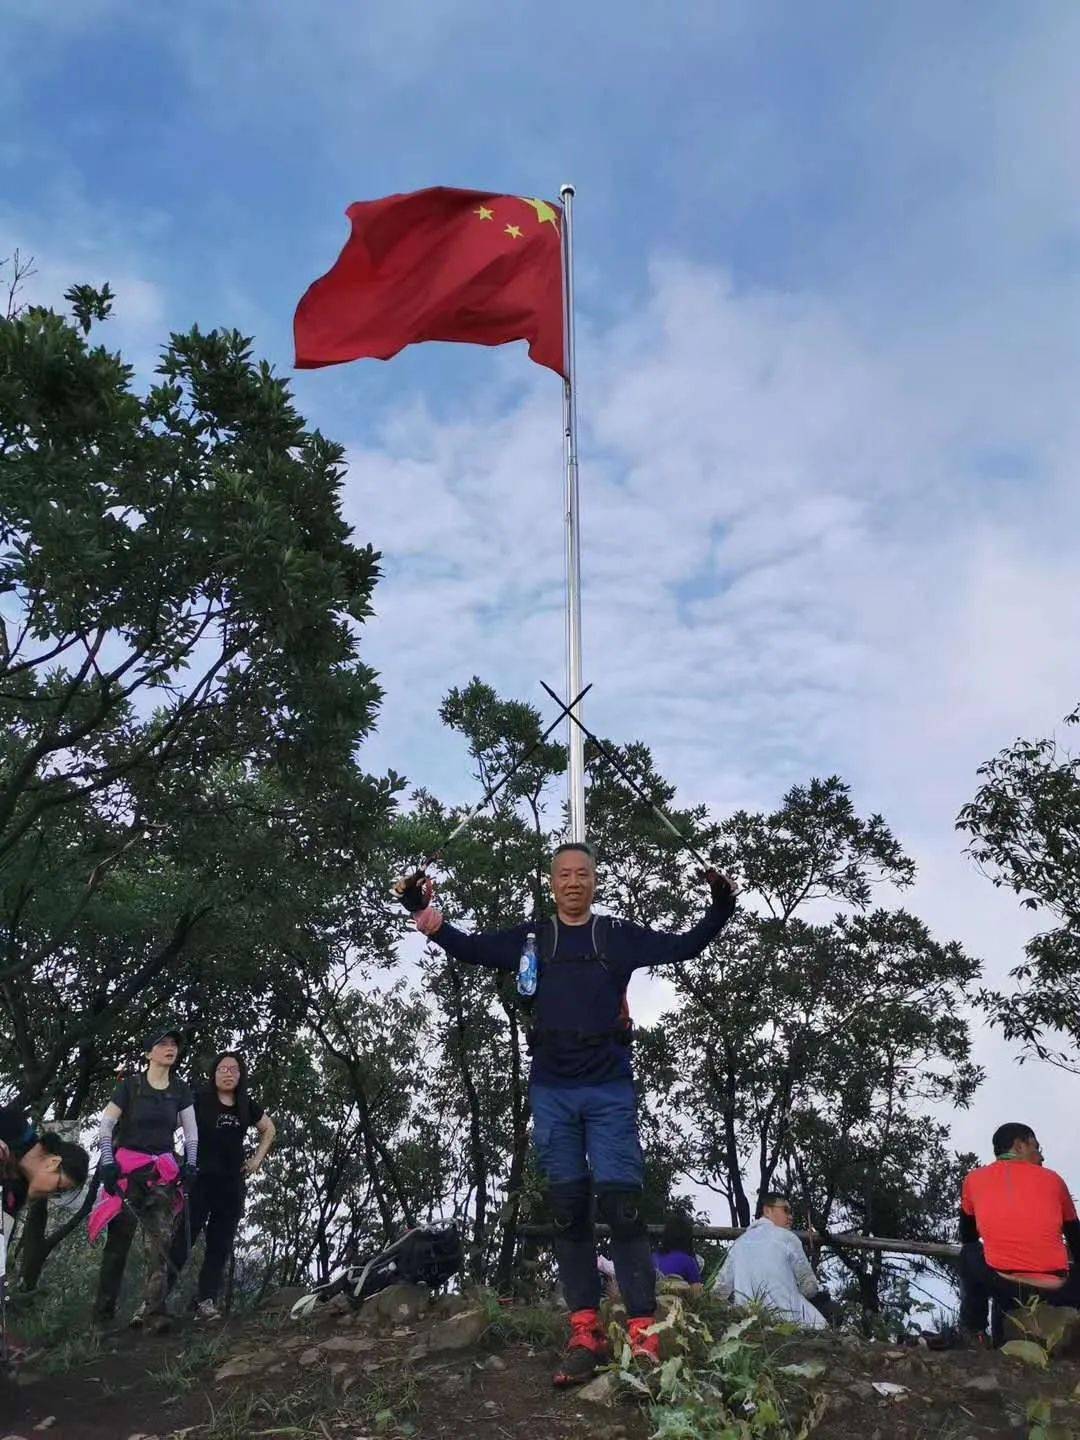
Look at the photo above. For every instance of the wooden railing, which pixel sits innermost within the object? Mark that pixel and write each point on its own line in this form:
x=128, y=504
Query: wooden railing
x=930, y=1249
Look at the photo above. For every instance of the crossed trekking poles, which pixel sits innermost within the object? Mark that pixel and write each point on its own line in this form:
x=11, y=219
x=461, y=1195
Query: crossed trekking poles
x=567, y=711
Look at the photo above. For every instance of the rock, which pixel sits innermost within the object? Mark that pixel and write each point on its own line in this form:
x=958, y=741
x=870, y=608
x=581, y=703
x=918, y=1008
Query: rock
x=888, y=1391
x=347, y=1345
x=337, y=1305
x=241, y=1366
x=455, y=1383
x=399, y=1304
x=986, y=1384
x=338, y=1368
x=604, y=1390
x=862, y=1390
x=493, y=1362
x=47, y=1423
x=310, y=1357
x=459, y=1332
x=283, y=1299
x=446, y=1305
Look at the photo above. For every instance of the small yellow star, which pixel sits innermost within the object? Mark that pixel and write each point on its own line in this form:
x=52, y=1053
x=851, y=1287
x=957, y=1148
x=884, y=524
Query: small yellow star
x=514, y=231
x=484, y=213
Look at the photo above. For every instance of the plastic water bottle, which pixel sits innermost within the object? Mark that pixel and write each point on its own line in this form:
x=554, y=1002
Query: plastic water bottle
x=528, y=968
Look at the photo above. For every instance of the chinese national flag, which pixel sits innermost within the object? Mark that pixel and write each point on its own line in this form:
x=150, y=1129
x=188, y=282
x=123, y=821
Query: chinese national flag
x=439, y=264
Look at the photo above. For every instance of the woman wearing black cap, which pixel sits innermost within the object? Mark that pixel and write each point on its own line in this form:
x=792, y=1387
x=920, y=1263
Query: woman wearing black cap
x=140, y=1175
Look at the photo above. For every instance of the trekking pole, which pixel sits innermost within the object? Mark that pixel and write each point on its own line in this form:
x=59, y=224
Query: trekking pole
x=3, y=1296
x=187, y=1223
x=629, y=779
x=493, y=790
x=142, y=1225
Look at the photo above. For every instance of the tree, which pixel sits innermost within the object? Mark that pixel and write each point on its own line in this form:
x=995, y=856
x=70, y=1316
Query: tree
x=796, y=1042
x=1024, y=824
x=182, y=814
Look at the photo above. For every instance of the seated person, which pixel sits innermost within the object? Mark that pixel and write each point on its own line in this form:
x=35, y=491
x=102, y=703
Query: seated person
x=768, y=1264
x=1026, y=1220
x=675, y=1253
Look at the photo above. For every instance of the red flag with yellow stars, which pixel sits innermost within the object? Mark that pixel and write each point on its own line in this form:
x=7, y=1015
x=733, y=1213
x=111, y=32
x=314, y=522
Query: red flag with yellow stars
x=439, y=264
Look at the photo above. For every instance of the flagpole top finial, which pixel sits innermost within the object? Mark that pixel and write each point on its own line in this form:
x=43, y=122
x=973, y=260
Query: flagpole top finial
x=567, y=189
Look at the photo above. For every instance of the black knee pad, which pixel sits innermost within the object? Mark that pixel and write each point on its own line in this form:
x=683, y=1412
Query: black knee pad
x=570, y=1210
x=621, y=1209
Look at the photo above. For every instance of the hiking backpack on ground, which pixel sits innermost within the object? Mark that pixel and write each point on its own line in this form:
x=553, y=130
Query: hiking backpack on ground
x=428, y=1255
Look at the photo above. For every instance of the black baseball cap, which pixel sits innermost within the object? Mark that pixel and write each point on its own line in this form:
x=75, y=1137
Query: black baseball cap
x=163, y=1032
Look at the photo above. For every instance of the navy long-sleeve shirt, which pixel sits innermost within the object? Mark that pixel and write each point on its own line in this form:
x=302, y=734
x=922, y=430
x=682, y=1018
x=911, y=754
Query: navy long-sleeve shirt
x=577, y=997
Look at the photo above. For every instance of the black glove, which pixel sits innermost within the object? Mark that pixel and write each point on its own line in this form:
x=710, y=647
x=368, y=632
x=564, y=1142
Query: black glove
x=109, y=1176
x=412, y=891
x=187, y=1174
x=723, y=892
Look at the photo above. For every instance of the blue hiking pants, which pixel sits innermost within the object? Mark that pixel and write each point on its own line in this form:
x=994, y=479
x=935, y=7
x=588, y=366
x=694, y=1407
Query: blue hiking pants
x=583, y=1130
x=586, y=1139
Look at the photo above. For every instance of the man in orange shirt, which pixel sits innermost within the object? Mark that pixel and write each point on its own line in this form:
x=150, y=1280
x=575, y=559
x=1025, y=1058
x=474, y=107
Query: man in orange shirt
x=1025, y=1218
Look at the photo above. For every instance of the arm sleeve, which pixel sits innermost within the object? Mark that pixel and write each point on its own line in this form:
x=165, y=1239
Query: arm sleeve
x=654, y=947
x=803, y=1271
x=191, y=1134
x=724, y=1284
x=1068, y=1209
x=499, y=950
x=255, y=1111
x=969, y=1226
x=15, y=1128
x=105, y=1137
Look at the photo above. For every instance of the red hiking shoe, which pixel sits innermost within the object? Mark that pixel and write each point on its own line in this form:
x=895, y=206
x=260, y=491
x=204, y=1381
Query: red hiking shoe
x=588, y=1349
x=643, y=1346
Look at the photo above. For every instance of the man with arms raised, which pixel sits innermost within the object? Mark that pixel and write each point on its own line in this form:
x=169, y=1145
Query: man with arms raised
x=1026, y=1220
x=581, y=1090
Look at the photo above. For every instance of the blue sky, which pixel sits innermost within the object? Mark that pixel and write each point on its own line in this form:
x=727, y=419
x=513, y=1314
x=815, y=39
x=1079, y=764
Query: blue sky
x=829, y=273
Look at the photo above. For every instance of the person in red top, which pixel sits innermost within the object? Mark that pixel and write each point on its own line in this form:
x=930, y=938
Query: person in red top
x=1025, y=1219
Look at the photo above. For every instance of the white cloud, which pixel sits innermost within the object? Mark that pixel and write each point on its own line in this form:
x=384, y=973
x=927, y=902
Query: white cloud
x=791, y=567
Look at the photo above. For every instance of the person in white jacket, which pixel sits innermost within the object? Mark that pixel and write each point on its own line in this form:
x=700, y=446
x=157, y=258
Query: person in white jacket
x=767, y=1264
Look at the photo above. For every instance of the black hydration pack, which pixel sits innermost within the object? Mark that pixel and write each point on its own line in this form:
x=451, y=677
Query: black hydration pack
x=546, y=934
x=429, y=1255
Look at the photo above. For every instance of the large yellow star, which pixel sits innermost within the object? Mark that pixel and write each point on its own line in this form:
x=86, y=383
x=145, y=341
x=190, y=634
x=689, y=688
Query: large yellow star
x=544, y=211
x=514, y=231
x=484, y=213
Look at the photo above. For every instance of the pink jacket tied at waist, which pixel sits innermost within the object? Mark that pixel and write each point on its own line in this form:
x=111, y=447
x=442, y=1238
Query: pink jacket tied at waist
x=107, y=1207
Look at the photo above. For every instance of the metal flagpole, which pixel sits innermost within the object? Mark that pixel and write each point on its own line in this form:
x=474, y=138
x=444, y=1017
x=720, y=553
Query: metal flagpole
x=575, y=738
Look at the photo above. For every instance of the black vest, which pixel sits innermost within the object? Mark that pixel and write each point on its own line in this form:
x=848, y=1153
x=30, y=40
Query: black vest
x=546, y=933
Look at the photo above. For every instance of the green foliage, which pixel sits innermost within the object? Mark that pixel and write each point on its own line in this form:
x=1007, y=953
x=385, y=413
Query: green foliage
x=722, y=1380
x=180, y=806
x=1024, y=824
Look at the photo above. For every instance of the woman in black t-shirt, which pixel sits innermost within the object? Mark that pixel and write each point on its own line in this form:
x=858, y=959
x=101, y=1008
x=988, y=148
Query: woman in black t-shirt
x=141, y=1121
x=225, y=1112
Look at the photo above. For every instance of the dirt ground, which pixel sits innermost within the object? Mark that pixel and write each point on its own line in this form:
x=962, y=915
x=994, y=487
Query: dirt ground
x=338, y=1378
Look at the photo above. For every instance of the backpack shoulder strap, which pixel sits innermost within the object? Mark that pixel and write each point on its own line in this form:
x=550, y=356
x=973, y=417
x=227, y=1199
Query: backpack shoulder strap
x=547, y=938
x=601, y=936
